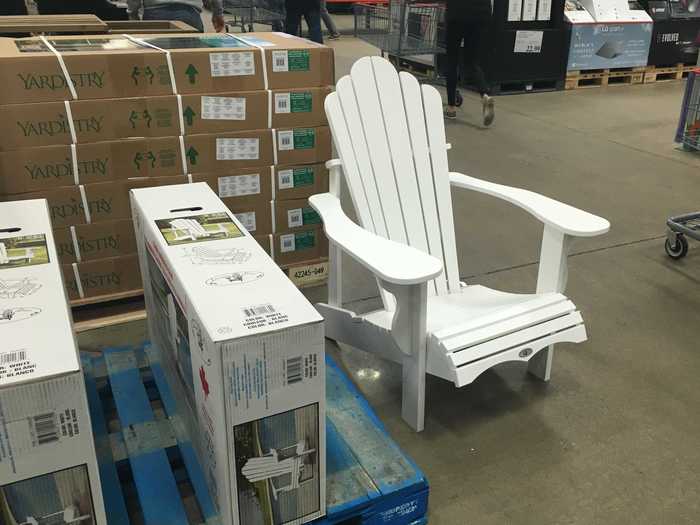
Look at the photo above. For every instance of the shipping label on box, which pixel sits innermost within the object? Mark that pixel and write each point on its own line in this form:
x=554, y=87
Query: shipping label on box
x=47, y=454
x=308, y=244
x=243, y=351
x=302, y=181
x=303, y=145
x=295, y=214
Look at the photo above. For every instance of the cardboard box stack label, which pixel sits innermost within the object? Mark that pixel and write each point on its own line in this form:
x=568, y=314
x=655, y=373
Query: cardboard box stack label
x=243, y=351
x=48, y=465
x=86, y=119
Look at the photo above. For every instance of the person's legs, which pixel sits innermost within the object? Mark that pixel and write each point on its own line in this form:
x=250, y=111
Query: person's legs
x=473, y=42
x=328, y=20
x=454, y=40
x=313, y=20
x=181, y=12
x=292, y=24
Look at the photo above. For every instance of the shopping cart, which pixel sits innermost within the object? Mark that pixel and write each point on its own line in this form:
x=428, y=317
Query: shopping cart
x=403, y=28
x=679, y=228
x=688, y=136
x=245, y=13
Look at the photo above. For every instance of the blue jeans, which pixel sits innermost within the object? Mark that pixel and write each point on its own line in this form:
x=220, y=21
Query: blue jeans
x=312, y=17
x=182, y=12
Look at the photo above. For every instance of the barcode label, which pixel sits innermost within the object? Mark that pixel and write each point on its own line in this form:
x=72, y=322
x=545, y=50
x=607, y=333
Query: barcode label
x=45, y=428
x=261, y=309
x=287, y=243
x=286, y=179
x=294, y=370
x=283, y=103
x=13, y=357
x=286, y=140
x=280, y=61
x=295, y=218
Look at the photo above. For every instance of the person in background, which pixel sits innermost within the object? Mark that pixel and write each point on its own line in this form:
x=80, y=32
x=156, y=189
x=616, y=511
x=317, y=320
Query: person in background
x=187, y=11
x=311, y=11
x=328, y=20
x=13, y=7
x=467, y=20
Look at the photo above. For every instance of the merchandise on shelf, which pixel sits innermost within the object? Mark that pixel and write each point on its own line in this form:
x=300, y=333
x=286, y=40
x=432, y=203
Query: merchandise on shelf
x=48, y=465
x=243, y=351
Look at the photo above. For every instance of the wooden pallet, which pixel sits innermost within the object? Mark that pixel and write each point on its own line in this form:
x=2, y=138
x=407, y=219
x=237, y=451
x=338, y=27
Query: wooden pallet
x=667, y=73
x=604, y=77
x=150, y=474
x=108, y=310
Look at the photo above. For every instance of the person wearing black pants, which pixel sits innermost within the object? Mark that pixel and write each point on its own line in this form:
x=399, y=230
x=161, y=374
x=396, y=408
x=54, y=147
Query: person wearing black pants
x=468, y=20
x=311, y=11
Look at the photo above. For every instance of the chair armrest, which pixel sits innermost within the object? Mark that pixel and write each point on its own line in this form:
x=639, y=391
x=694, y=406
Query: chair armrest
x=565, y=218
x=391, y=261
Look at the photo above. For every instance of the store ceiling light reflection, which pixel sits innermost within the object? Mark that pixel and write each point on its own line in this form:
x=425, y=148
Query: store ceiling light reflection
x=368, y=373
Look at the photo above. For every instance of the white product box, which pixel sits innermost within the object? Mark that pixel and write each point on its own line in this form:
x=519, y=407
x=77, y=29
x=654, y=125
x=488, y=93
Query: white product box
x=243, y=351
x=48, y=467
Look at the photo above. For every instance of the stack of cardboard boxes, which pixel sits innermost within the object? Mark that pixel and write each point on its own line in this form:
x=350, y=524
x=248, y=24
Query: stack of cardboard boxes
x=84, y=120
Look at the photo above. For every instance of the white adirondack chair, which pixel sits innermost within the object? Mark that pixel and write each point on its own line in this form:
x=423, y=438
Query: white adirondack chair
x=188, y=229
x=390, y=137
x=5, y=258
x=270, y=467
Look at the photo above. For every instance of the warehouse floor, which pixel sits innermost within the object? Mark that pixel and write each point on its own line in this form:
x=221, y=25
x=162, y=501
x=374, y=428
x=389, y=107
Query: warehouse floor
x=613, y=438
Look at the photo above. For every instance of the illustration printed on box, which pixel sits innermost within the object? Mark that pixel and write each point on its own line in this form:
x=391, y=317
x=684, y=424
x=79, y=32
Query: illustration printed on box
x=25, y=250
x=198, y=228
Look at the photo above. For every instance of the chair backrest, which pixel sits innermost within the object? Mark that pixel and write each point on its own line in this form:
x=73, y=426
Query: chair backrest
x=390, y=136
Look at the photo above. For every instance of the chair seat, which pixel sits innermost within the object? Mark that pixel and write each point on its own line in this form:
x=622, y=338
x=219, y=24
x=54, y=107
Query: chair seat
x=478, y=323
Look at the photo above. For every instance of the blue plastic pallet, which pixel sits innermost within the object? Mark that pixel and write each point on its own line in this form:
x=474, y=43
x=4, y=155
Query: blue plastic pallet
x=150, y=473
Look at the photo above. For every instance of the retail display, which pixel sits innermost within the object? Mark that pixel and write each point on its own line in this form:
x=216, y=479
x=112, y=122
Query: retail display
x=100, y=115
x=607, y=34
x=676, y=34
x=243, y=351
x=46, y=443
x=430, y=322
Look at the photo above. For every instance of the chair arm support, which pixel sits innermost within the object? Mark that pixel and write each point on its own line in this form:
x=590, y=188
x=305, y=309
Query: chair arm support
x=391, y=261
x=565, y=218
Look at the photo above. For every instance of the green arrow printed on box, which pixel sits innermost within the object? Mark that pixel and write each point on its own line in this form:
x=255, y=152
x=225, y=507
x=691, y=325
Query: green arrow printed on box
x=191, y=72
x=189, y=115
x=192, y=155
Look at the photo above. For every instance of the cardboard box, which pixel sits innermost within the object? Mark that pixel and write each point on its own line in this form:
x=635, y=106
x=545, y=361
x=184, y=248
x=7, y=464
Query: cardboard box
x=306, y=244
x=303, y=145
x=295, y=214
x=113, y=66
x=48, y=124
x=38, y=169
x=265, y=242
x=46, y=442
x=256, y=215
x=243, y=351
x=300, y=181
x=102, y=277
x=92, y=203
x=101, y=240
x=240, y=184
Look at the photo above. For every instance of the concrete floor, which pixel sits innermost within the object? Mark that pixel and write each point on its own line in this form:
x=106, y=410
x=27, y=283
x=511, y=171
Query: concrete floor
x=613, y=439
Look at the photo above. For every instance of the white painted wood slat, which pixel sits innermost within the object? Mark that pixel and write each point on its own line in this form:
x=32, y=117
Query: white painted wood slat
x=413, y=106
x=437, y=142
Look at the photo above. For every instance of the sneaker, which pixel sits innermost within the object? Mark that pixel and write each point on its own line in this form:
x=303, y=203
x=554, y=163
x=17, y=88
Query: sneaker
x=488, y=109
x=334, y=37
x=449, y=114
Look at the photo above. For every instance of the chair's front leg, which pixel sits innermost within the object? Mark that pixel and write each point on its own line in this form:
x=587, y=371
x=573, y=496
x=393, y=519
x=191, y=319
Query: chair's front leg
x=409, y=328
x=552, y=276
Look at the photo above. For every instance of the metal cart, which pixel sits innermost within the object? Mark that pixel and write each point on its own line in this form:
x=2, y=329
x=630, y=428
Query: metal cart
x=245, y=13
x=679, y=228
x=688, y=136
x=403, y=28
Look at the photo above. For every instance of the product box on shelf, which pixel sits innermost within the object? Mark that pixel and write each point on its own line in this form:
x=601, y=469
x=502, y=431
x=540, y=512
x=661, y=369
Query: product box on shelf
x=243, y=351
x=102, y=277
x=306, y=244
x=242, y=183
x=92, y=203
x=37, y=69
x=303, y=145
x=85, y=121
x=255, y=215
x=265, y=242
x=300, y=181
x=100, y=240
x=48, y=464
x=295, y=214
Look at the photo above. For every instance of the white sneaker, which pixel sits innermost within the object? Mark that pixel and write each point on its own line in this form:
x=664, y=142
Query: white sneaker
x=488, y=109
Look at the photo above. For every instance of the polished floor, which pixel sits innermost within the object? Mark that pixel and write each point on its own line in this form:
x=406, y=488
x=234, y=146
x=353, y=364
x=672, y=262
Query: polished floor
x=614, y=438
